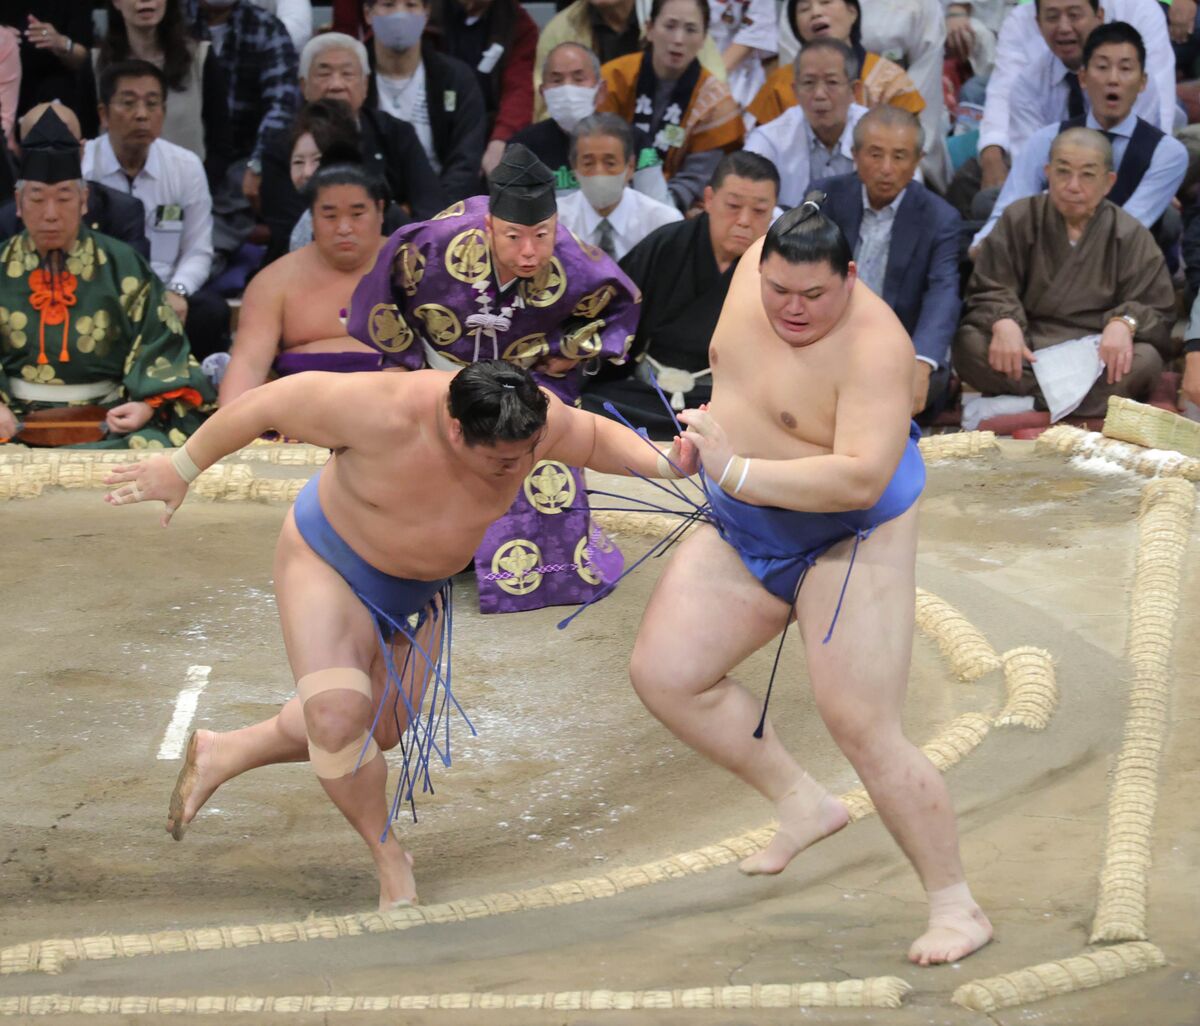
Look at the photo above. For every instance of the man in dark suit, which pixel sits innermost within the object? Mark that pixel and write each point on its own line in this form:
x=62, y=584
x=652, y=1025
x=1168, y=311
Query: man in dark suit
x=905, y=241
x=107, y=211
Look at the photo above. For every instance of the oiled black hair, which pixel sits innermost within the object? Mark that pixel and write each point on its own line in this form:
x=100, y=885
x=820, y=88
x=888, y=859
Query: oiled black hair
x=496, y=401
x=1114, y=32
x=804, y=235
x=336, y=169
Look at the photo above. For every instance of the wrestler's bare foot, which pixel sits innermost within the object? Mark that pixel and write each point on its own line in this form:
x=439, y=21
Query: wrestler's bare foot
x=397, y=885
x=957, y=927
x=195, y=784
x=807, y=813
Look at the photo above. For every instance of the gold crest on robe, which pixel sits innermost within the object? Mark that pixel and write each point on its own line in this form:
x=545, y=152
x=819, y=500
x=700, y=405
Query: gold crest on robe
x=468, y=257
x=387, y=328
x=410, y=262
x=591, y=304
x=521, y=558
x=547, y=286
x=583, y=343
x=583, y=562
x=442, y=326
x=550, y=487
x=527, y=350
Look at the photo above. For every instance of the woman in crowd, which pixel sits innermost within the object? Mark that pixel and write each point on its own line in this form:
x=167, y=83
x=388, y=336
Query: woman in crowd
x=290, y=319
x=690, y=115
x=197, y=115
x=880, y=81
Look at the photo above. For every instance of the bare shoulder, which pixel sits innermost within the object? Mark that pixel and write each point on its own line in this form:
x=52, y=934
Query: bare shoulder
x=561, y=419
x=271, y=280
x=874, y=331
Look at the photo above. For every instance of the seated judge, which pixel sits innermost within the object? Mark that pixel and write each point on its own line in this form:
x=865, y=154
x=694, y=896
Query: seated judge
x=815, y=139
x=85, y=325
x=605, y=210
x=1063, y=265
x=106, y=210
x=290, y=313
x=905, y=242
x=684, y=270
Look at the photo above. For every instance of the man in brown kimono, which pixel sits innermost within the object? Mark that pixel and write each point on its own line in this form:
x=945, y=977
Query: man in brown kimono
x=1063, y=265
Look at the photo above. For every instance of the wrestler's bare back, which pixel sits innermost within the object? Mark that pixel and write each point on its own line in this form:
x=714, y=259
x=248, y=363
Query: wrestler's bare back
x=399, y=497
x=777, y=401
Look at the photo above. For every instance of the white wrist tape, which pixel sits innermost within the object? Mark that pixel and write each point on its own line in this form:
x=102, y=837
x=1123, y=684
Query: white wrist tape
x=736, y=463
x=184, y=465
x=665, y=469
x=742, y=479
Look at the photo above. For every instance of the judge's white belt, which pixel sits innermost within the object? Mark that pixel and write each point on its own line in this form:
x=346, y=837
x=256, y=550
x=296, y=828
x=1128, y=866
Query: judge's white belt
x=673, y=380
x=437, y=361
x=38, y=392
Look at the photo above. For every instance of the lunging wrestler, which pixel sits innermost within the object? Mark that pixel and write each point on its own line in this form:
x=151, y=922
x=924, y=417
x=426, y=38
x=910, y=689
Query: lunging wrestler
x=422, y=465
x=813, y=472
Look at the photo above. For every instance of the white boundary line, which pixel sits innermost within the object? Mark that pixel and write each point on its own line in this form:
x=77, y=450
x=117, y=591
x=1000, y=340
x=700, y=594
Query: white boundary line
x=185, y=708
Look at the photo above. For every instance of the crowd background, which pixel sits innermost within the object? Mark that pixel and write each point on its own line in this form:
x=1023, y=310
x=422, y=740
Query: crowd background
x=950, y=140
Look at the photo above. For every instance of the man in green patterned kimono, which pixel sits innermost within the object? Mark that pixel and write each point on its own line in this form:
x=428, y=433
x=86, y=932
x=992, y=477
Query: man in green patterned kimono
x=83, y=319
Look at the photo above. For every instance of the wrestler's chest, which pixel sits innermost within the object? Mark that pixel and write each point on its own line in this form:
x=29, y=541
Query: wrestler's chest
x=759, y=401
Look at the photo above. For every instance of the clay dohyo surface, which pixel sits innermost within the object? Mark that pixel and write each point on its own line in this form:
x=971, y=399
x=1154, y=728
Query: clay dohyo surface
x=570, y=778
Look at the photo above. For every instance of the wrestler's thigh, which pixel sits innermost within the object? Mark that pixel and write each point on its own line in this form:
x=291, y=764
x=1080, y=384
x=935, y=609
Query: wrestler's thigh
x=706, y=615
x=324, y=624
x=412, y=667
x=860, y=676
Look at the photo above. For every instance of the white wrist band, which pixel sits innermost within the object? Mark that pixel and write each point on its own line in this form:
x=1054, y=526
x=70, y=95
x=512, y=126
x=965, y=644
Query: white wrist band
x=184, y=466
x=734, y=461
x=665, y=469
x=742, y=479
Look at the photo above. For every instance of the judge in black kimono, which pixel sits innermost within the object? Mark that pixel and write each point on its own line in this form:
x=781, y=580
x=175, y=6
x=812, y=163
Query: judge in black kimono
x=684, y=270
x=1060, y=266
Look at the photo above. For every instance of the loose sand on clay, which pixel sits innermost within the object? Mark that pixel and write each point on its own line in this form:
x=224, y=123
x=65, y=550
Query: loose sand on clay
x=571, y=778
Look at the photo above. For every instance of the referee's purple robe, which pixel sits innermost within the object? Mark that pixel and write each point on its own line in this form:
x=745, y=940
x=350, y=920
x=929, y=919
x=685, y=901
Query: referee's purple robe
x=432, y=300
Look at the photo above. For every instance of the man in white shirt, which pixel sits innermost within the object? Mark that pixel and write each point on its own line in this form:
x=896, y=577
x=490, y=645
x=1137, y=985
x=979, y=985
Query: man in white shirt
x=816, y=138
x=912, y=33
x=170, y=183
x=605, y=210
x=1038, y=53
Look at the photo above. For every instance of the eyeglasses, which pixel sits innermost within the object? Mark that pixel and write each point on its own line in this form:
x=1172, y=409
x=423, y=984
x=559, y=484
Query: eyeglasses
x=129, y=104
x=811, y=85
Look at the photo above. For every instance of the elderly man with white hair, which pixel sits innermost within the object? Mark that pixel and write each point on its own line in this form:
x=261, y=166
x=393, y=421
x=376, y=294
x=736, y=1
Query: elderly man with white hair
x=335, y=66
x=91, y=352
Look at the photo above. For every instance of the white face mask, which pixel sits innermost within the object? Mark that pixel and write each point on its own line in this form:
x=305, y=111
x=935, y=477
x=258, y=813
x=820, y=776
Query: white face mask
x=602, y=191
x=570, y=104
x=400, y=29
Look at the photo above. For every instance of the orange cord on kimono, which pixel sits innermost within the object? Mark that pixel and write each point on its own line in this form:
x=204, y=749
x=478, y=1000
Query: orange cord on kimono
x=52, y=293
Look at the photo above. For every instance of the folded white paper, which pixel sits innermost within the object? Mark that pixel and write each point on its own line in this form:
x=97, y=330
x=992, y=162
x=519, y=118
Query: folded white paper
x=1066, y=373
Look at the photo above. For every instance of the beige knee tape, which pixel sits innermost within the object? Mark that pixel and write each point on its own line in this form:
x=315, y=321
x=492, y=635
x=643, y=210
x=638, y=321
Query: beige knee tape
x=330, y=765
x=339, y=678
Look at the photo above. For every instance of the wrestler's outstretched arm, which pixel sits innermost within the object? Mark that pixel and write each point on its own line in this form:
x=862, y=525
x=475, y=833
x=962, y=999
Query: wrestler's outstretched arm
x=329, y=410
x=581, y=439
